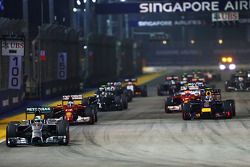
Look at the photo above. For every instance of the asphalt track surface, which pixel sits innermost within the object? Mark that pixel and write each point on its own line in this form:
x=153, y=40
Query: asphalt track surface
x=144, y=135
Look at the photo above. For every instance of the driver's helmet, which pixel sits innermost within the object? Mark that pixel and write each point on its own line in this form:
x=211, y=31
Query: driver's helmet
x=130, y=83
x=70, y=103
x=37, y=120
x=208, y=98
x=38, y=117
x=103, y=93
x=187, y=92
x=241, y=79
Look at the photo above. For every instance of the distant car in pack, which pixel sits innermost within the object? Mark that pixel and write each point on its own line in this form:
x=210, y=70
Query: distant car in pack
x=227, y=63
x=187, y=77
x=212, y=76
x=209, y=105
x=137, y=91
x=37, y=131
x=238, y=82
x=109, y=99
x=187, y=95
x=75, y=109
x=169, y=87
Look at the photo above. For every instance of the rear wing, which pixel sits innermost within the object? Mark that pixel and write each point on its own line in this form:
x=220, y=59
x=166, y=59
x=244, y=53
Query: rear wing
x=215, y=93
x=167, y=78
x=212, y=91
x=130, y=80
x=39, y=110
x=76, y=98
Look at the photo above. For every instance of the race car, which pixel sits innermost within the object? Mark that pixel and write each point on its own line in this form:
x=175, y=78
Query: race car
x=227, y=63
x=75, y=109
x=211, y=76
x=173, y=104
x=209, y=105
x=38, y=131
x=130, y=84
x=111, y=99
x=238, y=82
x=169, y=87
x=190, y=91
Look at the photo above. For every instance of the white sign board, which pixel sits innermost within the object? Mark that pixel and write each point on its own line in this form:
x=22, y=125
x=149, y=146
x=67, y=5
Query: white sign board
x=225, y=16
x=74, y=97
x=15, y=72
x=194, y=6
x=62, y=66
x=12, y=47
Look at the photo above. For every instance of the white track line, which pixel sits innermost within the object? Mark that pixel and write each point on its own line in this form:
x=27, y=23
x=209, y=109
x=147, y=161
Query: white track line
x=1, y=141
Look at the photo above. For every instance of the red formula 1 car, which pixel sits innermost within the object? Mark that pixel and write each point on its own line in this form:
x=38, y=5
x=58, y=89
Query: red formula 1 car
x=75, y=109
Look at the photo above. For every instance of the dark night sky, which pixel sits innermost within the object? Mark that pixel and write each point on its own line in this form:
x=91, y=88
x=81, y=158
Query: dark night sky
x=13, y=10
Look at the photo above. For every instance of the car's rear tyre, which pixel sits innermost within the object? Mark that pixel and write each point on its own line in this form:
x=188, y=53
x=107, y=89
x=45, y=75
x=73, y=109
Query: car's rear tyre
x=130, y=95
x=90, y=113
x=186, y=110
x=119, y=102
x=11, y=131
x=159, y=92
x=232, y=102
x=144, y=91
x=63, y=130
x=167, y=110
x=226, y=89
x=228, y=108
x=96, y=117
x=125, y=102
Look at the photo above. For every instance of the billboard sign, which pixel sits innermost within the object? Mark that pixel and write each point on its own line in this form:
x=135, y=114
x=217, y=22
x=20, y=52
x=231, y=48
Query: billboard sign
x=174, y=7
x=166, y=23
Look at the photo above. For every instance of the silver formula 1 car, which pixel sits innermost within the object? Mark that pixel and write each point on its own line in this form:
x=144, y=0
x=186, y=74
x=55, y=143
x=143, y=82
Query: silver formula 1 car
x=38, y=131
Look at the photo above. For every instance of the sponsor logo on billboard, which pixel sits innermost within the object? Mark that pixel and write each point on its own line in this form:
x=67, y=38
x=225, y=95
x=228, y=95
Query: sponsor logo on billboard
x=195, y=6
x=225, y=16
x=12, y=47
x=174, y=6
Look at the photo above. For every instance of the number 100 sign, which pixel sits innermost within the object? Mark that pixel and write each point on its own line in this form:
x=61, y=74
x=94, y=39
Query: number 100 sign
x=15, y=72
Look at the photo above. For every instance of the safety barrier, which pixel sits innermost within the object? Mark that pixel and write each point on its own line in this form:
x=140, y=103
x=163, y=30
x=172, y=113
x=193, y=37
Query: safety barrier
x=10, y=99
